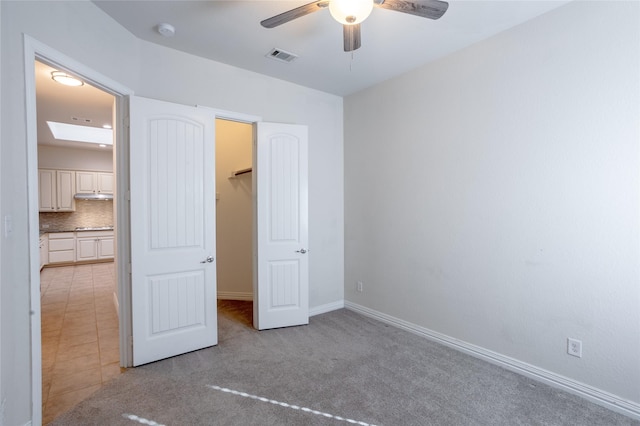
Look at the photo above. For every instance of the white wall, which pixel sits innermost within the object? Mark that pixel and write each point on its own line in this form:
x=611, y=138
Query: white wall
x=54, y=157
x=228, y=88
x=83, y=32
x=497, y=198
x=234, y=211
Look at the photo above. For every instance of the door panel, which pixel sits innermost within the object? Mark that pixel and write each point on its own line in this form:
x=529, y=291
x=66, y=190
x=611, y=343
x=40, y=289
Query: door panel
x=172, y=229
x=282, y=226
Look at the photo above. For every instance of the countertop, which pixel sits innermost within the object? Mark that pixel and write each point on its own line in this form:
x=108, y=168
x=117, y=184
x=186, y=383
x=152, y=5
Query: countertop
x=82, y=229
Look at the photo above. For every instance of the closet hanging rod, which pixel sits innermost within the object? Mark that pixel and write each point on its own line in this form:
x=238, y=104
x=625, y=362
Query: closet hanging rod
x=241, y=172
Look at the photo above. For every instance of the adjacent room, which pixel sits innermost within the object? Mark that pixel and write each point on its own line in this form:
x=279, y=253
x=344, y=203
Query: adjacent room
x=428, y=213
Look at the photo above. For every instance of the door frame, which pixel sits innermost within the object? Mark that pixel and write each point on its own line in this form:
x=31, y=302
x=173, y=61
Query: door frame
x=252, y=120
x=36, y=50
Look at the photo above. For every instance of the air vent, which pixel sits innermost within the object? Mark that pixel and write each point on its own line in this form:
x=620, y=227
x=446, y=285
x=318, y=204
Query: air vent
x=281, y=55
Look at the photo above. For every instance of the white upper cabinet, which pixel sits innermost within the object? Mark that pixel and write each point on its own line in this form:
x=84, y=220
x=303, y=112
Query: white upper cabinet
x=56, y=190
x=94, y=182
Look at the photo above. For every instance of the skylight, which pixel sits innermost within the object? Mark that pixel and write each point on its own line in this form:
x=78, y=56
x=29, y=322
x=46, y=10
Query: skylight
x=73, y=132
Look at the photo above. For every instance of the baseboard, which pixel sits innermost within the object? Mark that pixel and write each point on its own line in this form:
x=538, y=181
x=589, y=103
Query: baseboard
x=597, y=396
x=323, y=309
x=235, y=295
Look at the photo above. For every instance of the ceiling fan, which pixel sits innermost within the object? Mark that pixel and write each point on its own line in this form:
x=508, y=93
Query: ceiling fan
x=350, y=13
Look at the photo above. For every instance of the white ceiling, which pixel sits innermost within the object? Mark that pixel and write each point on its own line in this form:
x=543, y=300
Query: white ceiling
x=230, y=32
x=392, y=42
x=84, y=105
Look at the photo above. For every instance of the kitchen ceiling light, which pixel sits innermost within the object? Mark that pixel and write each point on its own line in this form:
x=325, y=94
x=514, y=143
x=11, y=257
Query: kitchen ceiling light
x=350, y=12
x=66, y=79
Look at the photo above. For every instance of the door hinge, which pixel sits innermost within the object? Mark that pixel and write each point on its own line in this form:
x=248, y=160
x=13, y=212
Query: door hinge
x=129, y=268
x=128, y=195
x=126, y=121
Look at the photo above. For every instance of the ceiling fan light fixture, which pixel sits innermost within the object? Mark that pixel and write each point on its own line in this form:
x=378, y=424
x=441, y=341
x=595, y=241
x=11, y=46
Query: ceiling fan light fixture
x=66, y=79
x=350, y=12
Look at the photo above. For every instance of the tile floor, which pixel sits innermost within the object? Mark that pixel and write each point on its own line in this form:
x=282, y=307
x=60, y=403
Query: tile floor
x=79, y=334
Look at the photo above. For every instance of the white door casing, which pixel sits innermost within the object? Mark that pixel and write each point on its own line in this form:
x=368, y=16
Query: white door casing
x=281, y=288
x=173, y=292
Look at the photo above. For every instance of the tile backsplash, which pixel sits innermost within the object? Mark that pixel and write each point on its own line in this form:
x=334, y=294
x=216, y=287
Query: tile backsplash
x=88, y=213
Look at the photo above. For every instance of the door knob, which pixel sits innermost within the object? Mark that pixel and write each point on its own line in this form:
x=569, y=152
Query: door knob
x=209, y=259
x=303, y=251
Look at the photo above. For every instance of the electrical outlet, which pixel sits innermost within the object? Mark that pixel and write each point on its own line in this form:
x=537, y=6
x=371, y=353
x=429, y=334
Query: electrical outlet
x=574, y=347
x=359, y=286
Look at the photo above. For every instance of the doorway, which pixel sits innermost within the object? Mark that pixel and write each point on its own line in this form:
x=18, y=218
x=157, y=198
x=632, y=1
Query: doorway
x=78, y=287
x=234, y=210
x=39, y=52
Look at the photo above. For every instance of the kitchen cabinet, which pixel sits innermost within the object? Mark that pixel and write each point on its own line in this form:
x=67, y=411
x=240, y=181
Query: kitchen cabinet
x=94, y=245
x=94, y=182
x=56, y=189
x=44, y=250
x=62, y=247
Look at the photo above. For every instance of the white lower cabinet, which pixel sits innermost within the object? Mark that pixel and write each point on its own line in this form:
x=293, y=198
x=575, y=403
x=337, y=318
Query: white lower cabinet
x=94, y=245
x=62, y=247
x=69, y=247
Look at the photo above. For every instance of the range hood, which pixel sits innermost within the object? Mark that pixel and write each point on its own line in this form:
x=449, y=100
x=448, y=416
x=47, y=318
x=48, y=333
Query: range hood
x=93, y=196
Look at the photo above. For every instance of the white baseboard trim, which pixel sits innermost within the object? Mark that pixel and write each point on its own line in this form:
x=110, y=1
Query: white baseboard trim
x=590, y=393
x=235, y=295
x=323, y=309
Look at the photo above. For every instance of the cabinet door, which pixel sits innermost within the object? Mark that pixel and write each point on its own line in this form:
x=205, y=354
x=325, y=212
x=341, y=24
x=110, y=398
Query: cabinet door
x=66, y=189
x=85, y=182
x=47, y=190
x=44, y=250
x=105, y=248
x=104, y=183
x=86, y=249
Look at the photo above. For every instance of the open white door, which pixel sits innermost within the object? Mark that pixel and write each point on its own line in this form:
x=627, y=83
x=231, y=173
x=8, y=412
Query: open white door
x=173, y=274
x=281, y=296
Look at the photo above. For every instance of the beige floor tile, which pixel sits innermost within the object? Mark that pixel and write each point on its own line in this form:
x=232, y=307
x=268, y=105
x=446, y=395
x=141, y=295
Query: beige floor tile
x=77, y=300
x=79, y=316
x=69, y=341
x=110, y=371
x=59, y=285
x=82, y=363
x=51, y=324
x=108, y=328
x=109, y=356
x=55, y=297
x=77, y=325
x=77, y=351
x=79, y=334
x=108, y=335
x=58, y=404
x=69, y=382
x=53, y=308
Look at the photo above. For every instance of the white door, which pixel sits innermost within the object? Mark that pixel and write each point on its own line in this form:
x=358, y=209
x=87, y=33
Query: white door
x=173, y=238
x=281, y=293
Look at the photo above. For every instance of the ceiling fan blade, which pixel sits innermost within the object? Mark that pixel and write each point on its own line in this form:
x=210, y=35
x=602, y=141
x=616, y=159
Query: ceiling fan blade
x=292, y=14
x=432, y=9
x=351, y=37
